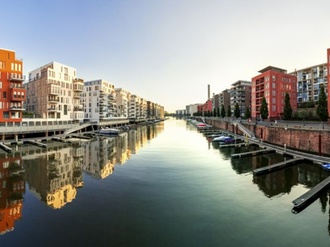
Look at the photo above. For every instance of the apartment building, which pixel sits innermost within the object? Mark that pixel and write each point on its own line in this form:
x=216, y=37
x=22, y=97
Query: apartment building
x=53, y=92
x=240, y=93
x=159, y=111
x=99, y=100
x=309, y=81
x=191, y=109
x=12, y=92
x=273, y=83
x=215, y=103
x=224, y=99
x=122, y=101
x=135, y=107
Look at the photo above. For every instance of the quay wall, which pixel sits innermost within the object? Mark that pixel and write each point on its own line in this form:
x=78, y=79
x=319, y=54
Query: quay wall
x=295, y=137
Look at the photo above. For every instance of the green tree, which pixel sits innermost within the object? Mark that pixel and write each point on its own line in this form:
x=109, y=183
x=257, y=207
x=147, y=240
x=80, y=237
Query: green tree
x=264, y=109
x=287, y=110
x=218, y=111
x=223, y=111
x=322, y=108
x=229, y=111
x=214, y=112
x=237, y=111
x=247, y=112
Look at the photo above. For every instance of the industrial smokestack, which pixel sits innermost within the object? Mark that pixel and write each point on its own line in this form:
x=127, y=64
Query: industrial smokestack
x=208, y=91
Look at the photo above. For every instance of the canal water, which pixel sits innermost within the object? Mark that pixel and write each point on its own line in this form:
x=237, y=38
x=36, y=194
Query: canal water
x=160, y=185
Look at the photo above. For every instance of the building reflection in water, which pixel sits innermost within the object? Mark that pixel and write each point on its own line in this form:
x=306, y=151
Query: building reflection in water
x=12, y=188
x=55, y=173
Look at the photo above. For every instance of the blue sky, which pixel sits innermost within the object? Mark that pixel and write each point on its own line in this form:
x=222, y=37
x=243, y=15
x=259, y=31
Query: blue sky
x=167, y=51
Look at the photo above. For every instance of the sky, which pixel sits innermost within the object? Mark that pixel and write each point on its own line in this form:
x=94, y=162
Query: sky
x=167, y=51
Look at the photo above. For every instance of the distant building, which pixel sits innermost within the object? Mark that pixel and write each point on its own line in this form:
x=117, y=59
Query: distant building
x=53, y=92
x=191, y=109
x=122, y=100
x=224, y=99
x=215, y=103
x=99, y=99
x=272, y=84
x=240, y=93
x=12, y=92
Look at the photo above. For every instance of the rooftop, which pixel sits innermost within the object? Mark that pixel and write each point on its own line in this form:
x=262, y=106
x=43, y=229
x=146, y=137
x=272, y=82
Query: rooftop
x=272, y=68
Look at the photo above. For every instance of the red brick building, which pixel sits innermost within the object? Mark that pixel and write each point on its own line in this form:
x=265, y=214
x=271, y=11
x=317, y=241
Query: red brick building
x=206, y=107
x=272, y=84
x=12, y=92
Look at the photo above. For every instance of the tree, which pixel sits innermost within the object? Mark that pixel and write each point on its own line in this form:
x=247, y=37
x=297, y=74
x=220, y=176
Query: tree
x=247, y=112
x=214, y=112
x=223, y=111
x=287, y=110
x=264, y=109
x=237, y=111
x=322, y=108
x=218, y=111
x=229, y=111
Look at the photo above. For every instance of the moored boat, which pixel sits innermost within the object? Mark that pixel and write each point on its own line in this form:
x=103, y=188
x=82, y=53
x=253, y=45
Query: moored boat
x=326, y=166
x=109, y=131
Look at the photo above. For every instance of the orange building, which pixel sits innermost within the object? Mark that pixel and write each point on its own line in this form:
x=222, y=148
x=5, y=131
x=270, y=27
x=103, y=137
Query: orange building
x=12, y=92
x=272, y=84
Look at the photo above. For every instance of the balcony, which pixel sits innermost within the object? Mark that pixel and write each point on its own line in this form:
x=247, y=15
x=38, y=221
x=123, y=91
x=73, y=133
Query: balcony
x=53, y=89
x=53, y=109
x=53, y=99
x=78, y=108
x=76, y=95
x=17, y=94
x=17, y=108
x=16, y=77
x=78, y=86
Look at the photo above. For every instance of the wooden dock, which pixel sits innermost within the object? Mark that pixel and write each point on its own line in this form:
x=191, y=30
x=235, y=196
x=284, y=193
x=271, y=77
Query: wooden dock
x=253, y=153
x=310, y=195
x=234, y=145
x=278, y=166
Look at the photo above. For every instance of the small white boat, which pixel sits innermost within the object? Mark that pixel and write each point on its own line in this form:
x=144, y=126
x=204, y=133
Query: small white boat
x=109, y=131
x=222, y=138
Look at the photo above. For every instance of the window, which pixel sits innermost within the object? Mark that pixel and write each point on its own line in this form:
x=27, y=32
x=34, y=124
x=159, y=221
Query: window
x=4, y=95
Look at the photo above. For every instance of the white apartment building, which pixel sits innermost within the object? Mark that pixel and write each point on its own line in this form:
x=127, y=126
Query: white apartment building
x=135, y=107
x=191, y=109
x=99, y=100
x=122, y=100
x=53, y=92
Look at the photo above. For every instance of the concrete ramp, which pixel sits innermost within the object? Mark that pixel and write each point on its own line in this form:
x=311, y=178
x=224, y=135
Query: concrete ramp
x=76, y=128
x=246, y=131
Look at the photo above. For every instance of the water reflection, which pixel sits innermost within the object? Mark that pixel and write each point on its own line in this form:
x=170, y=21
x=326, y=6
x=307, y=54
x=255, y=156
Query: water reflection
x=55, y=173
x=282, y=181
x=12, y=188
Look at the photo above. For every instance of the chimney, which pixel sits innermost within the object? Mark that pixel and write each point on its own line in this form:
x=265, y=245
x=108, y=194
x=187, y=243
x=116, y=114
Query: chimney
x=208, y=91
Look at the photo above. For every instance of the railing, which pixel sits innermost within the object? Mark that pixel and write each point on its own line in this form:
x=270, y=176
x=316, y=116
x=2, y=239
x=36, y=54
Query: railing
x=36, y=125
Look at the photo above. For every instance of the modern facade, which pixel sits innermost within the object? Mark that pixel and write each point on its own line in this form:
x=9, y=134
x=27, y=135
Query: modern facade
x=12, y=92
x=191, y=109
x=224, y=99
x=309, y=81
x=240, y=93
x=122, y=101
x=273, y=83
x=53, y=92
x=99, y=100
x=216, y=103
